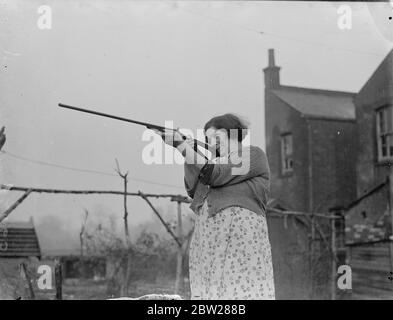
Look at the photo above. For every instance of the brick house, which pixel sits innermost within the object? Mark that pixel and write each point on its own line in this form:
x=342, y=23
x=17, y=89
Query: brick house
x=368, y=220
x=375, y=121
x=311, y=147
x=310, y=142
x=333, y=151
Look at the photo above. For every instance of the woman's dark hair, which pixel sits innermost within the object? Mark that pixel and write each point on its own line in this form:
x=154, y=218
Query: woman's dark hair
x=227, y=122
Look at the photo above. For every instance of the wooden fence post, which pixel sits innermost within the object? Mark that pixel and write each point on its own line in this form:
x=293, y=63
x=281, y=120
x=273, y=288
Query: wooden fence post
x=127, y=271
x=28, y=280
x=312, y=255
x=334, y=264
x=58, y=280
x=179, y=268
x=390, y=179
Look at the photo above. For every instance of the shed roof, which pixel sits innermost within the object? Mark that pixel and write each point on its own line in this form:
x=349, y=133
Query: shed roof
x=319, y=103
x=18, y=240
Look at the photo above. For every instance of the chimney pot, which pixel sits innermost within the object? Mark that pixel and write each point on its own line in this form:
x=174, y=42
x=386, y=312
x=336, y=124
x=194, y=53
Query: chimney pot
x=271, y=58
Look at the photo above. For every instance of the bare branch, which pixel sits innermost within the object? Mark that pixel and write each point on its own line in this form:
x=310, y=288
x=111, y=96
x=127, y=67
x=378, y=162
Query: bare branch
x=159, y=217
x=324, y=239
x=125, y=217
x=86, y=192
x=298, y=213
x=122, y=175
x=6, y=213
x=2, y=137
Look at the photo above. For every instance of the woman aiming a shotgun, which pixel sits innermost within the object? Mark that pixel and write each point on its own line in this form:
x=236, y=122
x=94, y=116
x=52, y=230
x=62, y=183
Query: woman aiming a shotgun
x=230, y=253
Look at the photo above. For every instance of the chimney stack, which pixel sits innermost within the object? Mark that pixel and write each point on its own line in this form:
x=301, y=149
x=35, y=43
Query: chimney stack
x=272, y=72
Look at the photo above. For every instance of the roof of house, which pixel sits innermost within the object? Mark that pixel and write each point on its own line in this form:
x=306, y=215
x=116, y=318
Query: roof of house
x=18, y=240
x=61, y=252
x=385, y=66
x=318, y=103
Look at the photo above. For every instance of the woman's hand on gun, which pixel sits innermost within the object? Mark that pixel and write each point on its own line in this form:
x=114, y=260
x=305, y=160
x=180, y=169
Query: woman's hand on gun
x=171, y=137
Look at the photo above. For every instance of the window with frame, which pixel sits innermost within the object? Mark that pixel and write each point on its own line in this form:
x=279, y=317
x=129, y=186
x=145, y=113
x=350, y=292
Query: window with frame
x=384, y=128
x=286, y=153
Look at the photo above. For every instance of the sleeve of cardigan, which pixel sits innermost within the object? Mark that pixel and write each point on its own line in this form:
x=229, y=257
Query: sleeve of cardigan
x=253, y=163
x=191, y=173
x=260, y=188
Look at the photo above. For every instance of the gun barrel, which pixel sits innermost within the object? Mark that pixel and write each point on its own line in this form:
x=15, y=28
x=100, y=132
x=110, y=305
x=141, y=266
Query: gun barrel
x=146, y=124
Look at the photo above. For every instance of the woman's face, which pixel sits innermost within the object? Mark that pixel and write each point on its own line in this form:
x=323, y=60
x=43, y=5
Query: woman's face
x=219, y=138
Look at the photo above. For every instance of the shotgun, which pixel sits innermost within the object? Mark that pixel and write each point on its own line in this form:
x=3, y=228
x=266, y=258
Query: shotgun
x=145, y=124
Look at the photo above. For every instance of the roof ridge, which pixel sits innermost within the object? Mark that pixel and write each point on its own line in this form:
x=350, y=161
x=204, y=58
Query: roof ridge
x=318, y=104
x=327, y=91
x=18, y=224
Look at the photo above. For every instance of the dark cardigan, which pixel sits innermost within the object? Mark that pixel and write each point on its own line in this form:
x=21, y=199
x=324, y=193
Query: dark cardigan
x=243, y=181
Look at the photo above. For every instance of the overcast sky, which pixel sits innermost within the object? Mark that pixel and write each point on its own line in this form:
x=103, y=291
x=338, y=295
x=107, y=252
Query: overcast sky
x=154, y=61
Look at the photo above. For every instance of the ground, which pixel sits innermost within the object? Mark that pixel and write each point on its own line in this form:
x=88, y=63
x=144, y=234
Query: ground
x=14, y=286
x=77, y=289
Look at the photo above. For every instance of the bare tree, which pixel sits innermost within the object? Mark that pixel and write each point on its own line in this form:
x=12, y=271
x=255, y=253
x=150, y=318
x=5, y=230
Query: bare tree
x=82, y=232
x=124, y=176
x=2, y=137
x=124, y=287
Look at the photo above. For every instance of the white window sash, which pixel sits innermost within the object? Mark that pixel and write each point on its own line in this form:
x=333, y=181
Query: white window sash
x=285, y=155
x=389, y=135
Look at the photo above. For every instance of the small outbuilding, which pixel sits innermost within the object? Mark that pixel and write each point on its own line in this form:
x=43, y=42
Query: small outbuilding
x=19, y=258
